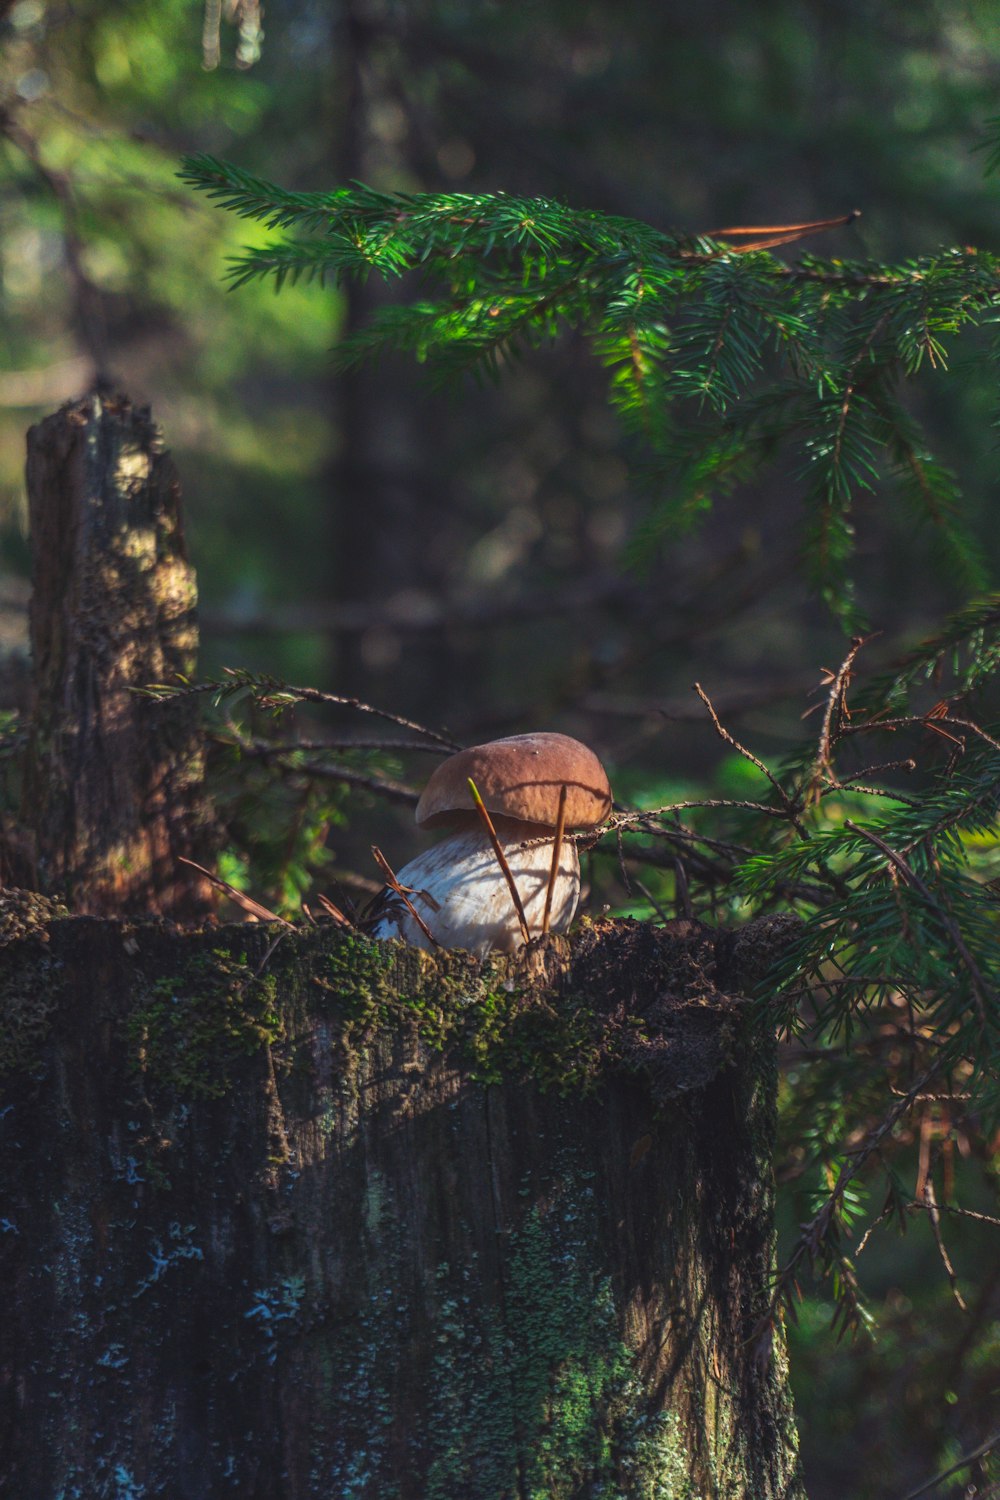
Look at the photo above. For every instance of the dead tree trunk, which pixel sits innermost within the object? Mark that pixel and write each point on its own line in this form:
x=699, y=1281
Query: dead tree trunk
x=327, y=1218
x=110, y=791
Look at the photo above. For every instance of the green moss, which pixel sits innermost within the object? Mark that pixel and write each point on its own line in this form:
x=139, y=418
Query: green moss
x=492, y=1013
x=561, y=1410
x=190, y=1032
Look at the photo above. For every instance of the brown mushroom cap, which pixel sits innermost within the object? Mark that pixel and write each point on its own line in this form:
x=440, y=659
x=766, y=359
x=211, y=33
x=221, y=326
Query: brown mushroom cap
x=520, y=777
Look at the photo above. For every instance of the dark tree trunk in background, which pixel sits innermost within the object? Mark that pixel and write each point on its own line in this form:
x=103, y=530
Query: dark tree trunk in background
x=326, y=1218
x=111, y=781
x=385, y=417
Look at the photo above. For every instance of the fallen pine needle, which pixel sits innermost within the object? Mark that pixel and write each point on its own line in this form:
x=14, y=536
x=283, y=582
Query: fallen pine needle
x=556, y=851
x=501, y=859
x=255, y=909
x=393, y=884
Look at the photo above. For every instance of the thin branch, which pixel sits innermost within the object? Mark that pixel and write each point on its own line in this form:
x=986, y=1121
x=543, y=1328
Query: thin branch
x=287, y=747
x=660, y=912
x=931, y=1205
x=935, y=723
x=624, y=819
x=272, y=694
x=382, y=786
x=961, y=1463
x=963, y=1213
x=313, y=695
x=836, y=703
x=791, y=812
x=871, y=1230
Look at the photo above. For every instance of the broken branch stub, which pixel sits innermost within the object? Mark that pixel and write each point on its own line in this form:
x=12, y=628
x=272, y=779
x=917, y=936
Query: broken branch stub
x=112, y=788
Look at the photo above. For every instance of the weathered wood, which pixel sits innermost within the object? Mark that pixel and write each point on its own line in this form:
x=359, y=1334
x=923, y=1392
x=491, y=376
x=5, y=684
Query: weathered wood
x=340, y=1219
x=111, y=781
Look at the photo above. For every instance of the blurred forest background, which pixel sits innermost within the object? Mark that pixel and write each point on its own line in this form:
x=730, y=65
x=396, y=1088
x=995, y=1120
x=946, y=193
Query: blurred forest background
x=463, y=556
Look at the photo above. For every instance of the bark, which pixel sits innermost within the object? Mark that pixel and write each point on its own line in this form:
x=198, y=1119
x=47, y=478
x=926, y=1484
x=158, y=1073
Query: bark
x=294, y=1214
x=111, y=782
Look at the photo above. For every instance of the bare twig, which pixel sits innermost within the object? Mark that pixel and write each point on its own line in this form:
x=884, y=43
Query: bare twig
x=287, y=747
x=877, y=770
x=930, y=1202
x=961, y=1463
x=393, y=884
x=313, y=695
x=623, y=819
x=964, y=1213
x=836, y=703
x=247, y=902
x=556, y=852
x=935, y=723
x=271, y=694
x=255, y=748
x=871, y=1230
x=623, y=872
x=790, y=810
x=682, y=896
x=382, y=786
x=487, y=822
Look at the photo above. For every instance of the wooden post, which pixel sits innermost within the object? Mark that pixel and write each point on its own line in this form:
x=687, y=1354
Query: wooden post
x=112, y=782
x=332, y=1218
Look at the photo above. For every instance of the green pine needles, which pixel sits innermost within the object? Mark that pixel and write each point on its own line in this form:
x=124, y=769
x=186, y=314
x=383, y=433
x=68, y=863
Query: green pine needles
x=880, y=835
x=717, y=359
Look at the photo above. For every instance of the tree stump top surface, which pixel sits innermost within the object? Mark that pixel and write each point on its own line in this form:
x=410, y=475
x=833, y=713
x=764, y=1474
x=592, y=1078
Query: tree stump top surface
x=666, y=1001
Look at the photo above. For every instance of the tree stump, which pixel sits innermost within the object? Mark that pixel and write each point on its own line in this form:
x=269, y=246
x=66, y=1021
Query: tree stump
x=111, y=781
x=293, y=1214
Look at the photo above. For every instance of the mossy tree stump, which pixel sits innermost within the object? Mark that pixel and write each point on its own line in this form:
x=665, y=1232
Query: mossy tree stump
x=329, y=1218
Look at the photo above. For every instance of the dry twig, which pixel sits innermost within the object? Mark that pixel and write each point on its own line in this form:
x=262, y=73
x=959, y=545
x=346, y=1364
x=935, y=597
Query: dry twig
x=836, y=704
x=790, y=810
x=931, y=1204
x=255, y=909
x=961, y=1463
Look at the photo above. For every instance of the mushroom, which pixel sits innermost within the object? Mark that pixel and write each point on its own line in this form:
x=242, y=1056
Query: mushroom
x=459, y=887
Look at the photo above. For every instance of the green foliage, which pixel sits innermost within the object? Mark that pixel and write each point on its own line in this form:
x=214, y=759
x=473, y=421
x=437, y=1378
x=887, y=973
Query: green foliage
x=717, y=359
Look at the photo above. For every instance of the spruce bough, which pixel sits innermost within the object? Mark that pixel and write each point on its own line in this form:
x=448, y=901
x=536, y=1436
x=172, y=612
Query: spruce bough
x=717, y=361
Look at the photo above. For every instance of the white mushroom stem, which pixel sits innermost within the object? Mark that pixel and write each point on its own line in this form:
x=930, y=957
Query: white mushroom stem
x=460, y=890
